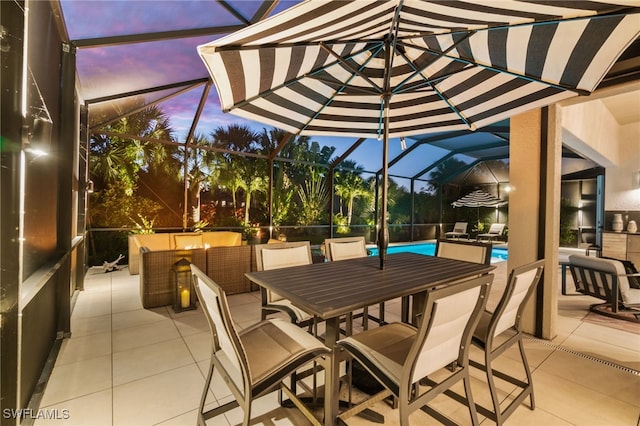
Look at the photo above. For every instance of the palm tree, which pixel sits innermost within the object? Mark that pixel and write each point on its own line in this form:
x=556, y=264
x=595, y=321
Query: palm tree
x=118, y=160
x=241, y=172
x=117, y=163
x=349, y=185
x=202, y=169
x=283, y=189
x=283, y=192
x=252, y=185
x=314, y=197
x=229, y=178
x=443, y=171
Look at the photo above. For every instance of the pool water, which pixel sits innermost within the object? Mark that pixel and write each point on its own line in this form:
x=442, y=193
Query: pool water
x=429, y=249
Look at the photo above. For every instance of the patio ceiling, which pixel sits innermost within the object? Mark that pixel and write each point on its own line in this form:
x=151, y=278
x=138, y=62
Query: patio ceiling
x=132, y=54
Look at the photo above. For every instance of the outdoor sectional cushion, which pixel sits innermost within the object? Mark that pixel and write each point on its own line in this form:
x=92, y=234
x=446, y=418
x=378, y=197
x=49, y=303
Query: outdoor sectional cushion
x=153, y=242
x=187, y=241
x=221, y=239
x=167, y=241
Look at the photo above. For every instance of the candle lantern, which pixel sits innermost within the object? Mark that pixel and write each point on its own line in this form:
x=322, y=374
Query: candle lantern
x=184, y=297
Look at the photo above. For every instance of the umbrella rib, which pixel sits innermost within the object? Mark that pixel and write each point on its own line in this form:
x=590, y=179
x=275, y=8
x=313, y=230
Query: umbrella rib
x=348, y=66
x=454, y=108
x=427, y=82
x=418, y=71
x=341, y=86
x=521, y=76
x=338, y=90
x=430, y=83
x=499, y=69
x=310, y=74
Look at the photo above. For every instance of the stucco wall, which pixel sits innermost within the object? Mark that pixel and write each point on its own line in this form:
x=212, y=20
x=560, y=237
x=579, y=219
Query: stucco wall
x=622, y=187
x=591, y=130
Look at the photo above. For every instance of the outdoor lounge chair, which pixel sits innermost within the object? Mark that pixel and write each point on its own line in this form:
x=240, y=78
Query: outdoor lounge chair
x=255, y=361
x=495, y=231
x=459, y=230
x=608, y=280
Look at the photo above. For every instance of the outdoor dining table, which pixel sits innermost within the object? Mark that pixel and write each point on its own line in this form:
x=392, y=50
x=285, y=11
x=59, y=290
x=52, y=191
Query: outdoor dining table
x=333, y=289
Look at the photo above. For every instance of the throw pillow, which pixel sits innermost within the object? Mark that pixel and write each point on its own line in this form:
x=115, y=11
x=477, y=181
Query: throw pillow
x=629, y=267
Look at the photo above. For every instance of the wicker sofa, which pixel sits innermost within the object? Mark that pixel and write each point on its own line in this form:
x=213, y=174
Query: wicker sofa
x=156, y=280
x=225, y=265
x=176, y=241
x=220, y=254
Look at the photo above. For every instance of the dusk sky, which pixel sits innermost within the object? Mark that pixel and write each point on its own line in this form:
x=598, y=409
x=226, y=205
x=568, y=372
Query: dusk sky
x=144, y=65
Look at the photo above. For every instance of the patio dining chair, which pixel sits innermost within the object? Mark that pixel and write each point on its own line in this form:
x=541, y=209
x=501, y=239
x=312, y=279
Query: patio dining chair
x=459, y=230
x=469, y=251
x=400, y=356
x=255, y=361
x=499, y=330
x=282, y=255
x=495, y=231
x=351, y=248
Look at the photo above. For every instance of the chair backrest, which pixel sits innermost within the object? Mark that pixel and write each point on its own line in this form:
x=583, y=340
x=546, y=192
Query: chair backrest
x=449, y=319
x=283, y=255
x=470, y=251
x=520, y=287
x=344, y=248
x=599, y=284
x=460, y=227
x=496, y=229
x=227, y=347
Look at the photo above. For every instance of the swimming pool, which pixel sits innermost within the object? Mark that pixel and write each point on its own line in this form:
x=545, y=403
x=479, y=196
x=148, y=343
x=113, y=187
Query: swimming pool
x=498, y=254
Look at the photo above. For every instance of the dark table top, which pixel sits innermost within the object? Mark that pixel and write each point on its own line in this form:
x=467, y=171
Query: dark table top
x=331, y=289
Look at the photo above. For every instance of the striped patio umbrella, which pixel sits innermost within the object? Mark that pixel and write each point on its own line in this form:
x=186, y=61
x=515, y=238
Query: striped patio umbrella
x=386, y=69
x=478, y=198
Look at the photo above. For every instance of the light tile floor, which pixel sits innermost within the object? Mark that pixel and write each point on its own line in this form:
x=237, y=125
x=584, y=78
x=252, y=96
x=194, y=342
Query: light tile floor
x=125, y=365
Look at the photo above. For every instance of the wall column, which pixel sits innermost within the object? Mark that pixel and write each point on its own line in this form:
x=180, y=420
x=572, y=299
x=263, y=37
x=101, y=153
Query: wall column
x=534, y=174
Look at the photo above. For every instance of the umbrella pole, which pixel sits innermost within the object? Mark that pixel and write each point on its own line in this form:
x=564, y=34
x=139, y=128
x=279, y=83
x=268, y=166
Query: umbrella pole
x=383, y=232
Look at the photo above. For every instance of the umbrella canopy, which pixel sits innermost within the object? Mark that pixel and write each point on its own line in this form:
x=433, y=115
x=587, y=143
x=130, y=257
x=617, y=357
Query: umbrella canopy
x=478, y=198
x=333, y=68
x=399, y=68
